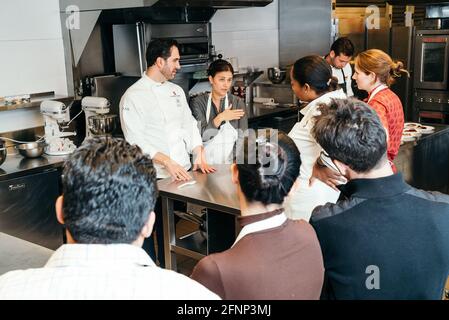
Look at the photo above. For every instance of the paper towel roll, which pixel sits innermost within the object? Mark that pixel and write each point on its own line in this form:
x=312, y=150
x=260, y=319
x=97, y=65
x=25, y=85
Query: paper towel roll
x=263, y=100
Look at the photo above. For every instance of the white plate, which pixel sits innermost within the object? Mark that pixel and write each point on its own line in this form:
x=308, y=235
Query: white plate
x=426, y=129
x=411, y=125
x=408, y=138
x=416, y=133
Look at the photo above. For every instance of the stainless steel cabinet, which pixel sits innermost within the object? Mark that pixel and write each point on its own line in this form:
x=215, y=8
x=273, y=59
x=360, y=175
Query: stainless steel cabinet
x=27, y=208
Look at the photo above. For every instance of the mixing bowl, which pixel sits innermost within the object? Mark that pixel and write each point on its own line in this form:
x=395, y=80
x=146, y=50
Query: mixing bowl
x=31, y=149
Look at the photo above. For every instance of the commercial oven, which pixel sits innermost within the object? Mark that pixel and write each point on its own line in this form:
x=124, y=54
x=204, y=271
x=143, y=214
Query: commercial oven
x=432, y=59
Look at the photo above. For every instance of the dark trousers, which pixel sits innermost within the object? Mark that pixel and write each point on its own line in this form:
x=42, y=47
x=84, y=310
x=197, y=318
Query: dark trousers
x=158, y=234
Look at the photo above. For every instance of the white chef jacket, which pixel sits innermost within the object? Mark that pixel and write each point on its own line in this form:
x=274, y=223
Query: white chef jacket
x=300, y=203
x=347, y=71
x=156, y=117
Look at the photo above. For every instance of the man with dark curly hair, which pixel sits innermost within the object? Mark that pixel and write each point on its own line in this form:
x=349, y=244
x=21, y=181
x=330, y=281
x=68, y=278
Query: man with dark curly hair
x=384, y=239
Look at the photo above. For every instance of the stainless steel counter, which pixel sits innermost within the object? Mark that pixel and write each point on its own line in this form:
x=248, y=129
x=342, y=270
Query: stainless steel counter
x=17, y=254
x=213, y=191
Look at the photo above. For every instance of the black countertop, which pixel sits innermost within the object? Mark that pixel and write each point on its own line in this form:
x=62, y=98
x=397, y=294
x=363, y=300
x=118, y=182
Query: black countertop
x=17, y=166
x=259, y=111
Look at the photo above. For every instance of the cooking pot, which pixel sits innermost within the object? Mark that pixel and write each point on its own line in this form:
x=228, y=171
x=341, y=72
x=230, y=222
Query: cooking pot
x=276, y=75
x=3, y=152
x=101, y=125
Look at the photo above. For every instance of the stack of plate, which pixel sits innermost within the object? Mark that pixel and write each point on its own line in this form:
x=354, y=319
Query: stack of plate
x=413, y=131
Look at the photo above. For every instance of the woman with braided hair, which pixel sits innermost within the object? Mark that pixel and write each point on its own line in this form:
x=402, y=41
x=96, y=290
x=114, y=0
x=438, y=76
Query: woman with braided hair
x=273, y=257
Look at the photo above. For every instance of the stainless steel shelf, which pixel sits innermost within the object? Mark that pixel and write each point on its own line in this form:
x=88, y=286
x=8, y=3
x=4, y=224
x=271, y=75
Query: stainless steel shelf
x=36, y=100
x=193, y=246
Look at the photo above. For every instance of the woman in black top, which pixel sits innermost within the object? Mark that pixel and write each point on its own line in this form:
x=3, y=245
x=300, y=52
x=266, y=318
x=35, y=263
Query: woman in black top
x=224, y=108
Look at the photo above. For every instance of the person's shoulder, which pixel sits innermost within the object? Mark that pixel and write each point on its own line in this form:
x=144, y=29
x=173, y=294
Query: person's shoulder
x=174, y=86
x=431, y=196
x=136, y=86
x=12, y=276
x=302, y=229
x=386, y=97
x=330, y=210
x=135, y=91
x=17, y=281
x=212, y=262
x=199, y=99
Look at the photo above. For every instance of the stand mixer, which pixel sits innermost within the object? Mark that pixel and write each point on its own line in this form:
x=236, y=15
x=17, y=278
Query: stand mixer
x=56, y=116
x=98, y=121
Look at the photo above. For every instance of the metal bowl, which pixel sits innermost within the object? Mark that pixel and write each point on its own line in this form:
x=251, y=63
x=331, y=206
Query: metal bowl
x=276, y=75
x=31, y=149
x=3, y=152
x=102, y=124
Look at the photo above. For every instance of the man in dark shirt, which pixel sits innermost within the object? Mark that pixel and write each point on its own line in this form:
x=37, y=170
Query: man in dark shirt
x=385, y=239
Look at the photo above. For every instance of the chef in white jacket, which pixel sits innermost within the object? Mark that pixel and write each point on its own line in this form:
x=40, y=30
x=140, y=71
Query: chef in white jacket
x=155, y=115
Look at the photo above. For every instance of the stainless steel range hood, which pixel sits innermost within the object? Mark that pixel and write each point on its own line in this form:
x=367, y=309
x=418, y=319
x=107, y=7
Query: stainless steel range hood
x=217, y=4
x=84, y=5
x=79, y=19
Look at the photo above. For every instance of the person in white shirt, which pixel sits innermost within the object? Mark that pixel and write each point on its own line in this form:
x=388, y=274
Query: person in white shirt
x=312, y=81
x=109, y=193
x=339, y=56
x=155, y=115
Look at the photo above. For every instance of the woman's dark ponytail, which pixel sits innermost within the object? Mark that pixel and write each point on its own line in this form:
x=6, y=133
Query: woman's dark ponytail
x=270, y=167
x=316, y=72
x=333, y=84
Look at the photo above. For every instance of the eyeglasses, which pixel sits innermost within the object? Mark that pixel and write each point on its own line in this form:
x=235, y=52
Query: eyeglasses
x=327, y=161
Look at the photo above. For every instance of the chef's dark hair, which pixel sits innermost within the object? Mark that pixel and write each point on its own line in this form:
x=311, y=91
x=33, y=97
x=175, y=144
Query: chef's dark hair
x=343, y=46
x=159, y=48
x=351, y=132
x=268, y=166
x=109, y=189
x=219, y=65
x=316, y=72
